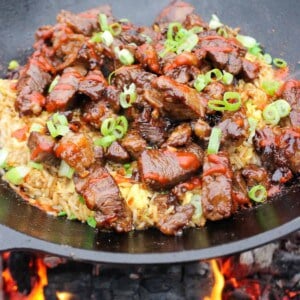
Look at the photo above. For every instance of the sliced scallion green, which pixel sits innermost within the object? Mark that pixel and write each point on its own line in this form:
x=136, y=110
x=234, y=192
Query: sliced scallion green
x=200, y=83
x=283, y=107
x=217, y=105
x=3, y=157
x=279, y=63
x=35, y=165
x=271, y=114
x=105, y=141
x=125, y=57
x=267, y=58
x=270, y=87
x=214, y=141
x=53, y=83
x=214, y=74
x=214, y=22
x=227, y=78
x=16, y=175
x=65, y=170
x=91, y=221
x=13, y=64
x=107, y=38
x=246, y=41
x=128, y=96
x=232, y=101
x=258, y=193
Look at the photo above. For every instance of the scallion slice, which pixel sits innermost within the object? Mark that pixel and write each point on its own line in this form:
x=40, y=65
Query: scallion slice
x=81, y=199
x=271, y=114
x=62, y=214
x=96, y=38
x=103, y=22
x=200, y=83
x=283, y=107
x=36, y=127
x=214, y=141
x=108, y=126
x=246, y=41
x=13, y=64
x=232, y=101
x=279, y=63
x=3, y=157
x=35, y=165
x=53, y=83
x=107, y=38
x=227, y=78
x=214, y=22
x=270, y=87
x=58, y=125
x=91, y=221
x=128, y=96
x=115, y=29
x=214, y=74
x=267, y=58
x=65, y=170
x=258, y=193
x=217, y=105
x=125, y=57
x=17, y=174
x=105, y=141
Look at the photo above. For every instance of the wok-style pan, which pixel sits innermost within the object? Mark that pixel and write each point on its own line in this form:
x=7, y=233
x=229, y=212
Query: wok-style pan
x=274, y=23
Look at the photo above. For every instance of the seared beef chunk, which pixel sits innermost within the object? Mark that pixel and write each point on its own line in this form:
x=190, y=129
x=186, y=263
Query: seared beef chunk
x=163, y=169
x=234, y=128
x=153, y=130
x=101, y=193
x=250, y=70
x=148, y=57
x=202, y=129
x=239, y=191
x=171, y=223
x=217, y=187
x=183, y=74
x=77, y=150
x=93, y=85
x=195, y=149
x=177, y=100
x=63, y=93
x=41, y=148
x=95, y=112
x=117, y=153
x=255, y=175
x=34, y=78
x=111, y=97
x=215, y=90
x=134, y=143
x=193, y=20
x=180, y=136
x=291, y=93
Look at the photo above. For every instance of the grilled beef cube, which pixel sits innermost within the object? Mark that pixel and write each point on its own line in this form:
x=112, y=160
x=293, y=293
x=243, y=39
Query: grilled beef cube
x=202, y=129
x=234, y=128
x=193, y=20
x=255, y=175
x=134, y=143
x=148, y=57
x=95, y=112
x=41, y=148
x=101, y=194
x=93, y=85
x=217, y=187
x=195, y=149
x=239, y=191
x=215, y=90
x=111, y=97
x=77, y=150
x=117, y=153
x=34, y=78
x=62, y=95
x=177, y=100
x=86, y=22
x=163, y=169
x=183, y=74
x=249, y=70
x=180, y=136
x=291, y=93
x=171, y=223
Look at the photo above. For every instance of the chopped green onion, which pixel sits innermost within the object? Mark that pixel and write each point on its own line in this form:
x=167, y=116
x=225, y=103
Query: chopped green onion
x=270, y=87
x=267, y=58
x=17, y=174
x=109, y=78
x=91, y=221
x=65, y=170
x=115, y=29
x=200, y=83
x=122, y=121
x=170, y=34
x=217, y=105
x=271, y=114
x=283, y=107
x=107, y=38
x=246, y=41
x=222, y=32
x=256, y=50
x=214, y=141
x=252, y=126
x=131, y=92
x=214, y=22
x=103, y=22
x=279, y=63
x=58, y=125
x=108, y=126
x=227, y=78
x=62, y=214
x=258, y=193
x=96, y=38
x=196, y=202
x=35, y=165
x=187, y=42
x=232, y=106
x=125, y=56
x=3, y=157
x=105, y=141
x=81, y=199
x=53, y=83
x=13, y=64
x=128, y=170
x=124, y=20
x=36, y=127
x=72, y=217
x=213, y=74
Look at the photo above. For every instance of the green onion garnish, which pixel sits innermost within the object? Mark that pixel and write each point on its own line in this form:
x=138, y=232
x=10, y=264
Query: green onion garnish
x=58, y=125
x=72, y=217
x=108, y=126
x=252, y=126
x=103, y=22
x=217, y=105
x=13, y=64
x=256, y=50
x=283, y=107
x=196, y=202
x=128, y=170
x=232, y=106
x=227, y=78
x=35, y=165
x=65, y=170
x=91, y=221
x=36, y=127
x=125, y=56
x=96, y=38
x=200, y=83
x=213, y=74
x=258, y=193
x=3, y=157
x=17, y=174
x=107, y=38
x=115, y=29
x=62, y=214
x=128, y=96
x=247, y=41
x=53, y=83
x=271, y=114
x=214, y=22
x=222, y=32
x=267, y=58
x=270, y=87
x=214, y=141
x=81, y=199
x=105, y=141
x=279, y=63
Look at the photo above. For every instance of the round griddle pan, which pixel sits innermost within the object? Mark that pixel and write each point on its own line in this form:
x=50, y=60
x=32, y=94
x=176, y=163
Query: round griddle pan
x=274, y=23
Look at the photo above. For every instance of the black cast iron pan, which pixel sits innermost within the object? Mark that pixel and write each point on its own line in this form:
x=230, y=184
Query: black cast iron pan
x=274, y=23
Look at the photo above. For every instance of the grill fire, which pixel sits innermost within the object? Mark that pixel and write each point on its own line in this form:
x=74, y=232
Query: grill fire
x=268, y=272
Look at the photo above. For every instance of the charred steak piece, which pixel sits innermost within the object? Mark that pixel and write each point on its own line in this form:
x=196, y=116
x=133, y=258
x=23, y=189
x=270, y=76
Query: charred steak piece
x=41, y=148
x=217, y=187
x=134, y=143
x=117, y=153
x=77, y=150
x=171, y=223
x=180, y=136
x=101, y=194
x=163, y=169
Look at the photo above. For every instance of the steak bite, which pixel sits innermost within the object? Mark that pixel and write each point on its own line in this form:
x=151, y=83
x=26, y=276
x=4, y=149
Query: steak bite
x=101, y=194
x=77, y=150
x=217, y=187
x=177, y=100
x=180, y=136
x=117, y=153
x=134, y=143
x=41, y=148
x=163, y=169
x=62, y=95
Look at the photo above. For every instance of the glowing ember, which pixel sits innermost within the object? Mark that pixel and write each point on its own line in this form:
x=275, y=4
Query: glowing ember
x=64, y=296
